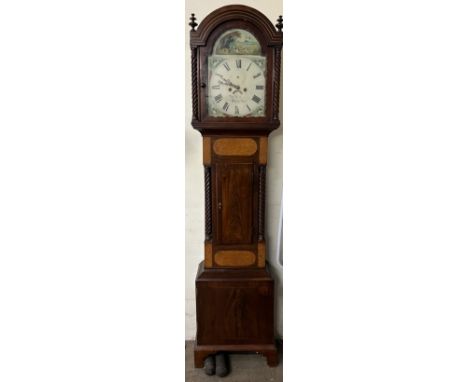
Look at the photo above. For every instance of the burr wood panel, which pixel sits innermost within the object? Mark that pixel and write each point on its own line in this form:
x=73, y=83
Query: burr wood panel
x=261, y=254
x=208, y=254
x=235, y=146
x=263, y=151
x=206, y=151
x=234, y=258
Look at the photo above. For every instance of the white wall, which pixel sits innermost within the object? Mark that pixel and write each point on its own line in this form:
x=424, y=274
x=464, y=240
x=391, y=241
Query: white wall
x=194, y=189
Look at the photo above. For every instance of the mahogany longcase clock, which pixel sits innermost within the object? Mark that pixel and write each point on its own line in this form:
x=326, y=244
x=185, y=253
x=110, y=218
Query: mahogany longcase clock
x=236, y=61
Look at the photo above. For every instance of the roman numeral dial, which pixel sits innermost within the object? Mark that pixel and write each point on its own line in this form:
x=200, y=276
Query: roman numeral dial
x=237, y=86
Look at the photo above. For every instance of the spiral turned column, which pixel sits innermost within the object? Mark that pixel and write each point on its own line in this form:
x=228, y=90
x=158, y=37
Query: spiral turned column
x=276, y=83
x=194, y=85
x=208, y=223
x=261, y=203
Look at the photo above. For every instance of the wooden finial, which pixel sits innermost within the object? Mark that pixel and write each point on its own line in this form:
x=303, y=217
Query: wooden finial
x=192, y=22
x=280, y=23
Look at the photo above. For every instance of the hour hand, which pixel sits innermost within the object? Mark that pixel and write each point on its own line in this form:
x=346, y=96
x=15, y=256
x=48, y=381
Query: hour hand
x=231, y=84
x=228, y=82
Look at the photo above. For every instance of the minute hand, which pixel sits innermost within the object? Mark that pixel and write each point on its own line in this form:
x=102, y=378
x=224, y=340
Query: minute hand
x=227, y=82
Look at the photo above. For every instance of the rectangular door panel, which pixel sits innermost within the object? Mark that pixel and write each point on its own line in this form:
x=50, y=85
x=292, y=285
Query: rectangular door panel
x=235, y=202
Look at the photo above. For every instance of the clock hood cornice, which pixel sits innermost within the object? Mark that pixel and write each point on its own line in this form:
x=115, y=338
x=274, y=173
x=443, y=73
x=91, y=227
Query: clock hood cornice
x=200, y=36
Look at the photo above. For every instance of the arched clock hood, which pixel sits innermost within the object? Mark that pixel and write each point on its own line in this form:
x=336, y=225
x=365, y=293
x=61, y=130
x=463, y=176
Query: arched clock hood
x=202, y=40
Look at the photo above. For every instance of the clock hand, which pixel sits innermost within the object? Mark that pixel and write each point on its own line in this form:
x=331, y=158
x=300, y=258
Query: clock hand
x=237, y=87
x=223, y=83
x=234, y=86
x=227, y=82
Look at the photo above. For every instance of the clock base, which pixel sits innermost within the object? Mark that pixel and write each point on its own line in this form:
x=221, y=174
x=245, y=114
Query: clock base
x=235, y=312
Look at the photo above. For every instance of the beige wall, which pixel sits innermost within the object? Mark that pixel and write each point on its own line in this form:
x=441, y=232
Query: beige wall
x=194, y=191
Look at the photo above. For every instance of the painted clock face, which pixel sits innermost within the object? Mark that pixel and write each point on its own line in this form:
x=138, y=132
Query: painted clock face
x=236, y=80
x=237, y=87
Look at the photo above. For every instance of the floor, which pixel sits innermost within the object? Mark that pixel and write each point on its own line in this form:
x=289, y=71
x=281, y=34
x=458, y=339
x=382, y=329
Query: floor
x=244, y=368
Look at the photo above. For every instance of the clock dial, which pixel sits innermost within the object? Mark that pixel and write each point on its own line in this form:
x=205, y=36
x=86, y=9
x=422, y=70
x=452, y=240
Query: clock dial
x=237, y=86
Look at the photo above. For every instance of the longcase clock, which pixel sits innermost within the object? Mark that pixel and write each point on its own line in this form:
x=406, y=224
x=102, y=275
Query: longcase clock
x=236, y=61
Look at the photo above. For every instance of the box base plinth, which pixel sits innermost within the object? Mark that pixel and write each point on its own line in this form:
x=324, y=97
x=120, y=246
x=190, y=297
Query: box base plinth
x=235, y=313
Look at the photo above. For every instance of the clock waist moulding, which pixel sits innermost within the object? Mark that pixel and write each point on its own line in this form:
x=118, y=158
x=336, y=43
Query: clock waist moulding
x=236, y=62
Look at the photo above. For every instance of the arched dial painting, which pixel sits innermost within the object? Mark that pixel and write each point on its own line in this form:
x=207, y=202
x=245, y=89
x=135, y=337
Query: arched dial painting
x=236, y=63
x=236, y=84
